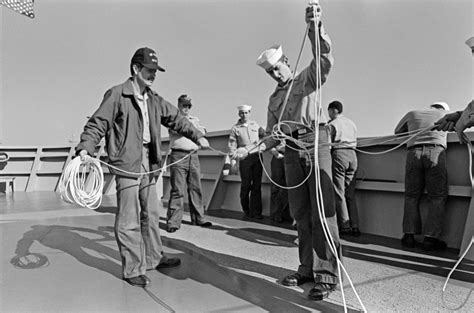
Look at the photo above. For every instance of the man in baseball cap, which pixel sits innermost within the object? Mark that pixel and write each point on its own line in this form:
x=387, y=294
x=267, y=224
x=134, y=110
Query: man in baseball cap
x=147, y=58
x=130, y=118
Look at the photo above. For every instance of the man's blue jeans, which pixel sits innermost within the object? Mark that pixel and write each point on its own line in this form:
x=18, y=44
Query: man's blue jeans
x=425, y=168
x=137, y=228
x=185, y=178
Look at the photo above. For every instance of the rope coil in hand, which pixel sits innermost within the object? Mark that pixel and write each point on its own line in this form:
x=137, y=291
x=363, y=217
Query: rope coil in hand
x=82, y=182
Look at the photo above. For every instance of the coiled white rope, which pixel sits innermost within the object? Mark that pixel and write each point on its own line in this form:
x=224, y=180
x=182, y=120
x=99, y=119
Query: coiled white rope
x=82, y=182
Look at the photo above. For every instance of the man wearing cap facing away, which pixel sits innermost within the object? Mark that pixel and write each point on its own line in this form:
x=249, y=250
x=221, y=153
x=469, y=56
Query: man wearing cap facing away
x=318, y=263
x=244, y=135
x=425, y=167
x=187, y=172
x=129, y=118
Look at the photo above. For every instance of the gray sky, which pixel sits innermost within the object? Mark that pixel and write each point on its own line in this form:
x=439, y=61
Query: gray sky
x=391, y=56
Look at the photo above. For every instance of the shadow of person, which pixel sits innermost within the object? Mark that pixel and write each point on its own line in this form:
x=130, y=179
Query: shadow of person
x=255, y=235
x=263, y=236
x=231, y=275
x=69, y=240
x=417, y=263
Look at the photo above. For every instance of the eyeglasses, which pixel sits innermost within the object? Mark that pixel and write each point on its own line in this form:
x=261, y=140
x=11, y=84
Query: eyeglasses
x=187, y=106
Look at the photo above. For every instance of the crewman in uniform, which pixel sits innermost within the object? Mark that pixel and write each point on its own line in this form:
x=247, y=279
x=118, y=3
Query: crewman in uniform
x=245, y=134
x=318, y=261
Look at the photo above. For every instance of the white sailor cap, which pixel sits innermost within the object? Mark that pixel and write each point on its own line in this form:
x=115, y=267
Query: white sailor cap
x=244, y=107
x=444, y=105
x=270, y=57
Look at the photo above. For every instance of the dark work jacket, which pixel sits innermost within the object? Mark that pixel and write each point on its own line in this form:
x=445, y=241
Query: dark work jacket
x=120, y=121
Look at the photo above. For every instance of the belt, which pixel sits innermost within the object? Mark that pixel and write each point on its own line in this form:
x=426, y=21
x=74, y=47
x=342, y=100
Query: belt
x=183, y=151
x=303, y=131
x=147, y=145
x=426, y=145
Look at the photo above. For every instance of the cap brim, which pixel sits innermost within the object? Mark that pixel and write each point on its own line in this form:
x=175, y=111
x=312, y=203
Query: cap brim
x=154, y=66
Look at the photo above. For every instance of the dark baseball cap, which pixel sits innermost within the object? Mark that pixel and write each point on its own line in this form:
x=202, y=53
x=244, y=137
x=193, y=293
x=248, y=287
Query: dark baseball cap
x=147, y=58
x=184, y=99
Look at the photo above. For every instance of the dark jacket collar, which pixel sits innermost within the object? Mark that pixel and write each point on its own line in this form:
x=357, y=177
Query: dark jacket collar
x=127, y=88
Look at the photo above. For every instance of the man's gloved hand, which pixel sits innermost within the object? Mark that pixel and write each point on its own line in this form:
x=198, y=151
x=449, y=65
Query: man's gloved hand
x=240, y=154
x=203, y=143
x=447, y=122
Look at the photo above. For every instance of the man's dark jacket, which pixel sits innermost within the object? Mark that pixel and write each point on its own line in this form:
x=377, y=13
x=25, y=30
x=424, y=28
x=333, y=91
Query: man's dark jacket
x=119, y=120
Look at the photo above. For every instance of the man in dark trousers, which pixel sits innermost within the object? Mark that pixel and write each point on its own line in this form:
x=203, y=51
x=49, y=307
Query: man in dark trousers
x=279, y=206
x=318, y=262
x=425, y=168
x=129, y=118
x=243, y=134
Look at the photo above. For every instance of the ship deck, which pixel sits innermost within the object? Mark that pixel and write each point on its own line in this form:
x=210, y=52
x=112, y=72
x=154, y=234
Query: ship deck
x=58, y=257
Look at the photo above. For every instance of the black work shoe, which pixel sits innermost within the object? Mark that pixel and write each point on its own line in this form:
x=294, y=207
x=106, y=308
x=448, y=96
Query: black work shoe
x=430, y=243
x=202, y=224
x=168, y=262
x=277, y=219
x=296, y=279
x=345, y=231
x=408, y=241
x=321, y=291
x=258, y=216
x=138, y=281
x=355, y=232
x=171, y=229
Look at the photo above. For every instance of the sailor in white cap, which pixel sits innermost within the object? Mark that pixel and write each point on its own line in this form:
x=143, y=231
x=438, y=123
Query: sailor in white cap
x=425, y=168
x=317, y=263
x=243, y=136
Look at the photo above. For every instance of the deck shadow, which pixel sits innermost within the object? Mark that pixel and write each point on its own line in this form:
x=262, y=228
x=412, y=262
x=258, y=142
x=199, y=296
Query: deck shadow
x=252, y=234
x=418, y=262
x=69, y=240
x=229, y=273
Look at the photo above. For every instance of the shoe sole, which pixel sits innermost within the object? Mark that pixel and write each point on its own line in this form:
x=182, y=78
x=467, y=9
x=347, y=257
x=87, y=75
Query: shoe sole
x=289, y=284
x=319, y=298
x=296, y=284
x=137, y=285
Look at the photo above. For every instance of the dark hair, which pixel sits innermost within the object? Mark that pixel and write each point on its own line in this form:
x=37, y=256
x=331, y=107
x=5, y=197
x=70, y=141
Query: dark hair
x=335, y=105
